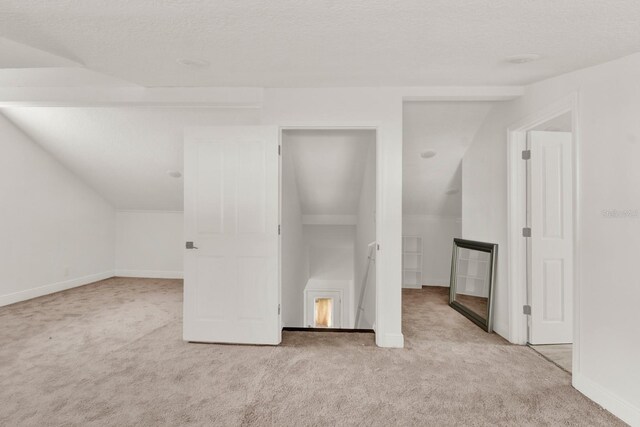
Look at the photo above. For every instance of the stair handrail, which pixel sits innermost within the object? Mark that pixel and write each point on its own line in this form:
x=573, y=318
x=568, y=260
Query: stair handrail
x=371, y=257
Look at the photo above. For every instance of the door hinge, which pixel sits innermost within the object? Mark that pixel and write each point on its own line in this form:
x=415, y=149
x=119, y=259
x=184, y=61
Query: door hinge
x=526, y=154
x=278, y=308
x=279, y=150
x=526, y=232
x=377, y=246
x=526, y=309
x=278, y=229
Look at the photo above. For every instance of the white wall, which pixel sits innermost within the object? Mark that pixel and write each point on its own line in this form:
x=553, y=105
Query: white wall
x=149, y=244
x=330, y=249
x=437, y=234
x=608, y=129
x=330, y=252
x=484, y=200
x=56, y=232
x=365, y=234
x=294, y=261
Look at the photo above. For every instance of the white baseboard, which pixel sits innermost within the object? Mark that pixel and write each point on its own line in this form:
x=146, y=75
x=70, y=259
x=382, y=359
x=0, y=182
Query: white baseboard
x=617, y=406
x=390, y=340
x=434, y=283
x=52, y=288
x=443, y=283
x=150, y=274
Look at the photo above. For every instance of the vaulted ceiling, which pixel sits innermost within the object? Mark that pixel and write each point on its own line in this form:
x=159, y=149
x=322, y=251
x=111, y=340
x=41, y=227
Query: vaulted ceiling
x=123, y=153
x=432, y=186
x=285, y=43
x=329, y=168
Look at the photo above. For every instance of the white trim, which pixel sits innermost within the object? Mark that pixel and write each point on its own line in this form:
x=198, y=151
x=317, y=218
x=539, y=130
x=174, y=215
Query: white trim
x=306, y=125
x=150, y=211
x=613, y=403
x=516, y=254
x=150, y=274
x=224, y=97
x=53, y=288
x=438, y=283
x=461, y=93
x=324, y=293
x=205, y=97
x=390, y=340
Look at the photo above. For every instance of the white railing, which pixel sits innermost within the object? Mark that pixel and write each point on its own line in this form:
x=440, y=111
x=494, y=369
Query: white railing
x=371, y=258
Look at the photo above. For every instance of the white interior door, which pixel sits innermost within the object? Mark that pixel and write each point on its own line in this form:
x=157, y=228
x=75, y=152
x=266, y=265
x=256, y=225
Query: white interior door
x=551, y=243
x=231, y=285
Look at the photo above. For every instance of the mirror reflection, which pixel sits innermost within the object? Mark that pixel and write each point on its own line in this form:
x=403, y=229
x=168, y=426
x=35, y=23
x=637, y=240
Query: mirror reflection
x=472, y=280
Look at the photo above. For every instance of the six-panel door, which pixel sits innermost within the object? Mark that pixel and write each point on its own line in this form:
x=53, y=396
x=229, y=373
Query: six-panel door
x=551, y=243
x=231, y=291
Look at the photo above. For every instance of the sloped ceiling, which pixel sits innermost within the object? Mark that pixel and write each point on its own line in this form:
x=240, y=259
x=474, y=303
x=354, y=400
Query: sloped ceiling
x=24, y=66
x=288, y=43
x=18, y=55
x=123, y=153
x=447, y=128
x=329, y=168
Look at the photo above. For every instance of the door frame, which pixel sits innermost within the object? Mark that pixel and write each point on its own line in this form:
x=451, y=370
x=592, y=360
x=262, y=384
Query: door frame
x=340, y=296
x=516, y=206
x=379, y=205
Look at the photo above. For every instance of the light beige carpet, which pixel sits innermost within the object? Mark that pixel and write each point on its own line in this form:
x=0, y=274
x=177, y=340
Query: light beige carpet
x=560, y=354
x=111, y=354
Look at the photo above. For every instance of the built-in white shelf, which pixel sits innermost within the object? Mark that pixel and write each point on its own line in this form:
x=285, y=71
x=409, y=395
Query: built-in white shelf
x=412, y=262
x=473, y=259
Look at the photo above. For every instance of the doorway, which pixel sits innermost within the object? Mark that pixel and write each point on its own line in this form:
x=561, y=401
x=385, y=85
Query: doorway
x=328, y=228
x=550, y=242
x=323, y=308
x=543, y=196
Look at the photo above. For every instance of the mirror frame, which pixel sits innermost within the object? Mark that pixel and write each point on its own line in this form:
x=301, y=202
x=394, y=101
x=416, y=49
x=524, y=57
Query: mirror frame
x=492, y=249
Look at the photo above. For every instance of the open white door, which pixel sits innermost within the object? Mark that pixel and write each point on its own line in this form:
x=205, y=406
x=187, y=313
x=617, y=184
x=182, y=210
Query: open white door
x=231, y=286
x=551, y=243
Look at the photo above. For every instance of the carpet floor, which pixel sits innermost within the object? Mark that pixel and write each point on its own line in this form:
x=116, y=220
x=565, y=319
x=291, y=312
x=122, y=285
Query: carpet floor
x=111, y=353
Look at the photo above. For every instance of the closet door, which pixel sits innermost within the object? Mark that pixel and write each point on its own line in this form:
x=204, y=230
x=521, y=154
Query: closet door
x=231, y=286
x=551, y=242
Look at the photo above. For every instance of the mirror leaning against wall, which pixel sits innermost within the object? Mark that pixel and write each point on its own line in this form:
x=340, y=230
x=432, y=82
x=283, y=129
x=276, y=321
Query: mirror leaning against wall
x=473, y=269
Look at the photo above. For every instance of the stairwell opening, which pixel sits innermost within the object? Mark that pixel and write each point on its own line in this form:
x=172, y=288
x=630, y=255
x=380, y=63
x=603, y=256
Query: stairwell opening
x=328, y=228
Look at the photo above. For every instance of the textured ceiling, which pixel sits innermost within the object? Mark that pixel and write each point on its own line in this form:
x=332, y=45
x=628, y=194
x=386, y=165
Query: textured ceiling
x=284, y=43
x=123, y=153
x=329, y=168
x=447, y=128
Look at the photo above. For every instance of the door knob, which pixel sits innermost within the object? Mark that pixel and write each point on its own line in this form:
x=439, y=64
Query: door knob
x=190, y=245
